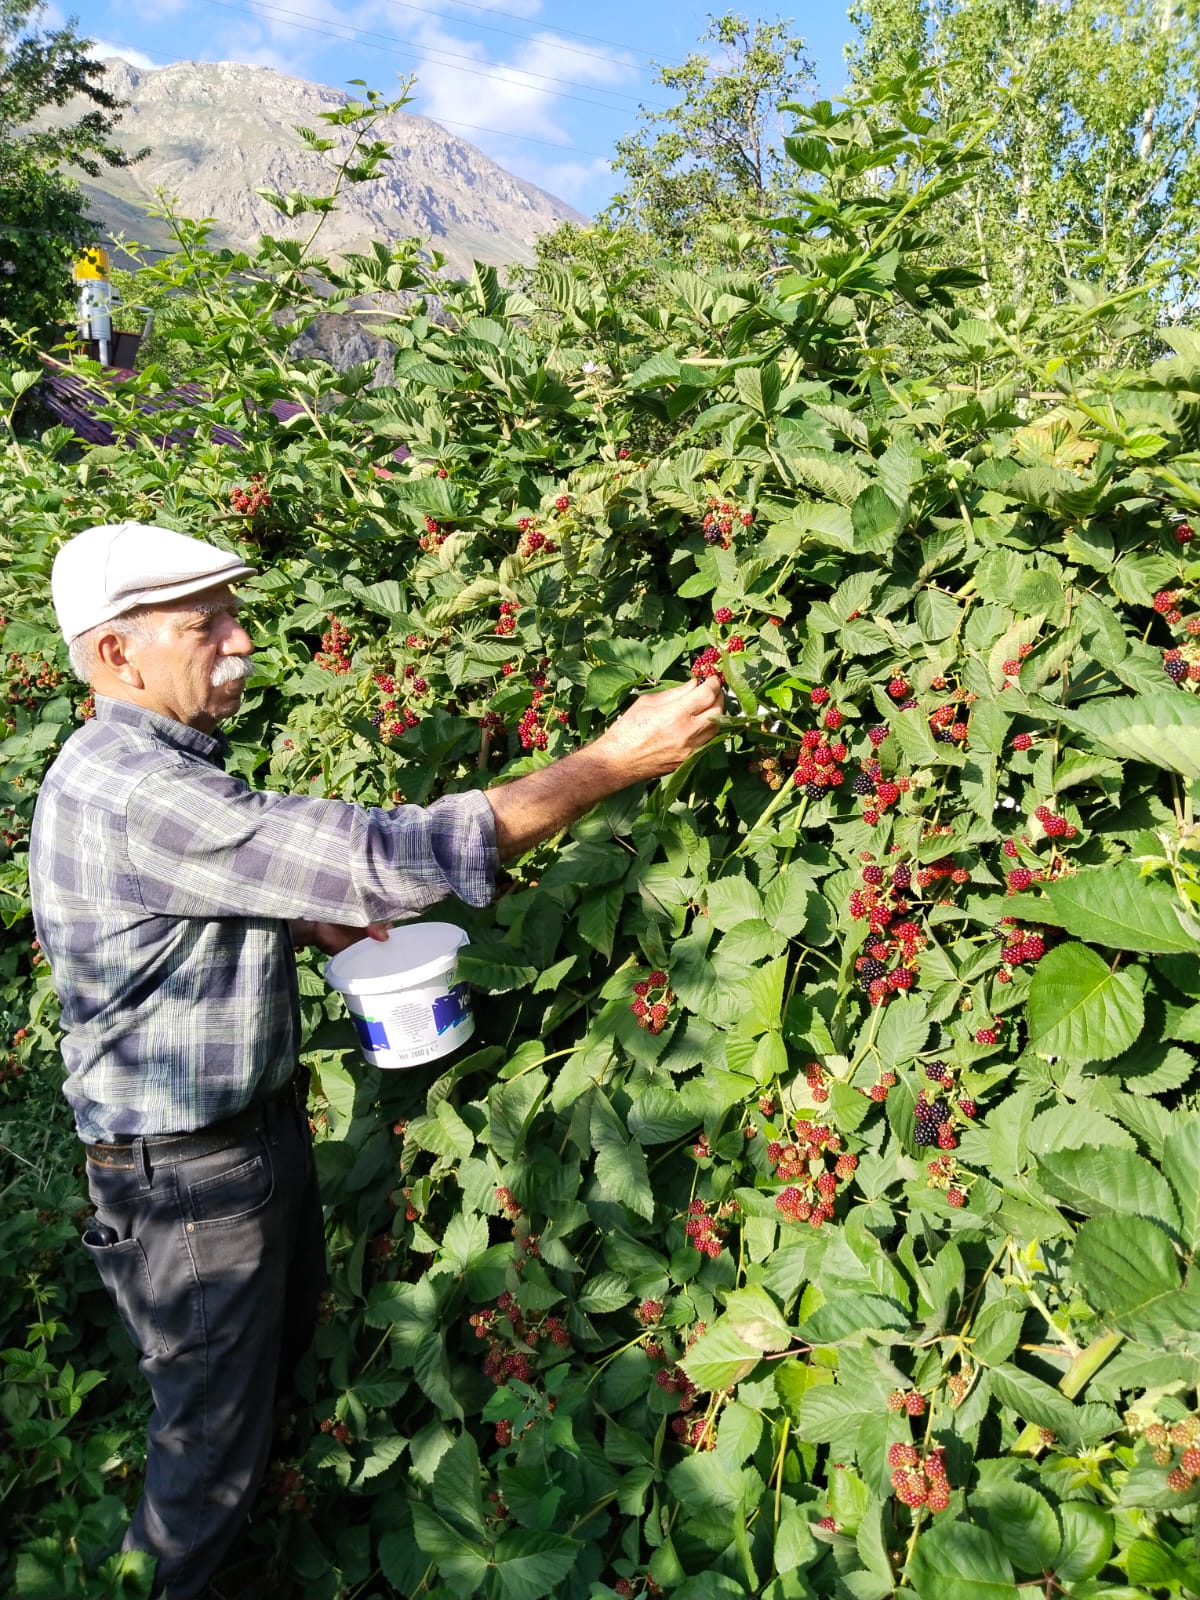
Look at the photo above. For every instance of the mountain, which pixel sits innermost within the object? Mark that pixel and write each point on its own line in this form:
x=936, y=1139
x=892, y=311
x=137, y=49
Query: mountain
x=217, y=132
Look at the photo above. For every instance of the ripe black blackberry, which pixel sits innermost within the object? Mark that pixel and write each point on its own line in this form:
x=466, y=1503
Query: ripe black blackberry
x=1177, y=671
x=870, y=970
x=901, y=876
x=814, y=791
x=935, y=1070
x=862, y=785
x=928, y=1119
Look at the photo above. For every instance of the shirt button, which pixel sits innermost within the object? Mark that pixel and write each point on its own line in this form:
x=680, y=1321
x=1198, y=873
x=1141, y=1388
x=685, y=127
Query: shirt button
x=191, y=1227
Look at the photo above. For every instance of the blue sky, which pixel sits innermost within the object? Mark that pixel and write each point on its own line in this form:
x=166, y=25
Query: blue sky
x=545, y=87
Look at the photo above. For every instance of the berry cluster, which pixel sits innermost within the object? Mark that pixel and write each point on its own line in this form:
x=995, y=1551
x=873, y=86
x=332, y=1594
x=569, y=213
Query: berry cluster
x=29, y=680
x=1183, y=1436
x=720, y=520
x=1019, y=944
x=820, y=761
x=249, y=502
x=391, y=718
x=889, y=962
x=434, y=537
x=336, y=646
x=910, y=1400
x=649, y=1312
x=708, y=665
x=1181, y=663
x=1055, y=827
x=706, y=1230
x=1012, y=668
x=878, y=794
x=512, y=1342
x=919, y=1481
x=812, y=1184
x=942, y=1173
x=948, y=723
x=533, y=730
x=285, y=1488
x=336, y=1429
x=940, y=1109
x=768, y=770
x=508, y=617
x=815, y=1082
x=651, y=1003
x=533, y=541
x=87, y=707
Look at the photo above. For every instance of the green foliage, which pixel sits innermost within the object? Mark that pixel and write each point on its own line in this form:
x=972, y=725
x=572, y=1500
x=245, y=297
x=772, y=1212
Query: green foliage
x=815, y=1213
x=43, y=215
x=1091, y=132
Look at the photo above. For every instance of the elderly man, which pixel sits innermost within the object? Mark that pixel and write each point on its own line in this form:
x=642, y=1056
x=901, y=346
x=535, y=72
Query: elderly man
x=167, y=896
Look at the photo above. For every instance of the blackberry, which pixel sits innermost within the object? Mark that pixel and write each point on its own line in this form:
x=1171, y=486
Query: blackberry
x=928, y=1119
x=871, y=970
x=901, y=877
x=862, y=785
x=814, y=791
x=935, y=1070
x=943, y=736
x=1175, y=670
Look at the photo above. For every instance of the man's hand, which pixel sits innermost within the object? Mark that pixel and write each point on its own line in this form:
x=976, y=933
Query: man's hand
x=333, y=937
x=657, y=734
x=662, y=729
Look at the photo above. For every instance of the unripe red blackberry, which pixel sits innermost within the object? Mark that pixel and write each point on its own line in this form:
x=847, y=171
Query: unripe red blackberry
x=898, y=688
x=1179, y=1480
x=902, y=1455
x=819, y=695
x=1019, y=878
x=723, y=614
x=914, y=1403
x=955, y=1196
x=1011, y=669
x=986, y=1036
x=1190, y=1460
x=895, y=1400
x=887, y=794
x=1033, y=947
x=1183, y=533
x=1022, y=741
x=878, y=734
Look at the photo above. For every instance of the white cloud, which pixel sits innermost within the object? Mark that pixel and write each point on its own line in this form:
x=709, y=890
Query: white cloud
x=103, y=48
x=517, y=93
x=572, y=181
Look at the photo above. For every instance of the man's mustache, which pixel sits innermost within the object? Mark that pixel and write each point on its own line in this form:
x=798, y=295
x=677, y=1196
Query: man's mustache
x=230, y=669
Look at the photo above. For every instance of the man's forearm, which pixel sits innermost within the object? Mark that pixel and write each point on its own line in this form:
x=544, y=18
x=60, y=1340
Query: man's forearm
x=543, y=803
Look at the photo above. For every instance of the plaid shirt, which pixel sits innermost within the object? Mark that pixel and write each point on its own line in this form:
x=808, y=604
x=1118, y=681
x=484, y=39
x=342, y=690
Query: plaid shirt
x=161, y=891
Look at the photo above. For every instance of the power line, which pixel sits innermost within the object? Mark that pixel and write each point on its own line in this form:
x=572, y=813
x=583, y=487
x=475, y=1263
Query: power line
x=422, y=53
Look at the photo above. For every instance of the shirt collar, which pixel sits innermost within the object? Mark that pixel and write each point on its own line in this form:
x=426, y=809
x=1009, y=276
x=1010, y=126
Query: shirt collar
x=209, y=746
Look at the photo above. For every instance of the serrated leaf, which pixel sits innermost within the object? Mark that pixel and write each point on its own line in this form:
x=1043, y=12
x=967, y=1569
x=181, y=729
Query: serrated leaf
x=530, y=1563
x=720, y=1357
x=1118, y=908
x=620, y=1164
x=1127, y=1269
x=1181, y=1166
x=1163, y=729
x=960, y=1559
x=1081, y=1010
x=598, y=915
x=1108, y=1182
x=462, y=1562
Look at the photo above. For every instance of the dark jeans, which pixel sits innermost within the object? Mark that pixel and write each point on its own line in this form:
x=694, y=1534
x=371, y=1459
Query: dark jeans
x=216, y=1267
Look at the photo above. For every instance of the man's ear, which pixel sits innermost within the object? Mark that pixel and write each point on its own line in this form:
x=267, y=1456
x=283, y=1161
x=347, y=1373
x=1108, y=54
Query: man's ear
x=113, y=651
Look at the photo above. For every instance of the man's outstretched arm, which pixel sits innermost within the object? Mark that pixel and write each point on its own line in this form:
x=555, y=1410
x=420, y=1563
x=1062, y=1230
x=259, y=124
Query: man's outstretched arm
x=657, y=734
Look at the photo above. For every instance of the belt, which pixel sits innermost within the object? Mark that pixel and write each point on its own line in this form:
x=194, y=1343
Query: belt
x=170, y=1148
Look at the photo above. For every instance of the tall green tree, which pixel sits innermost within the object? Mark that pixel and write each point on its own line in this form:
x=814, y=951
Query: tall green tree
x=1094, y=110
x=43, y=212
x=715, y=157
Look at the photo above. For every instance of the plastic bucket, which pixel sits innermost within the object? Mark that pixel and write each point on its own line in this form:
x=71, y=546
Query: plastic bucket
x=402, y=996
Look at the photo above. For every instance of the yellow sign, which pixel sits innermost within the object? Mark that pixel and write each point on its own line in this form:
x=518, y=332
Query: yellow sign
x=93, y=263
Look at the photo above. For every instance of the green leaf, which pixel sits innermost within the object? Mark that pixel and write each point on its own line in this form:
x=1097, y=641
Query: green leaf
x=960, y=1559
x=1108, y=1182
x=846, y=1315
x=1118, y=908
x=462, y=1562
x=1181, y=1166
x=1021, y=1521
x=1080, y=1010
x=530, y=1563
x=1162, y=728
x=720, y=1357
x=1087, y=1540
x=620, y=1164
x=902, y=1032
x=598, y=915
x=1127, y=1269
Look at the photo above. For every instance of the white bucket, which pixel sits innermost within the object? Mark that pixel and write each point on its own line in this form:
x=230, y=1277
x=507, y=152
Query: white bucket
x=402, y=996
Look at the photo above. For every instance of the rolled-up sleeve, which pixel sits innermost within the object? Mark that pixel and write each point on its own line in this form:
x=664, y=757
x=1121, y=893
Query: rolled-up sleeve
x=204, y=844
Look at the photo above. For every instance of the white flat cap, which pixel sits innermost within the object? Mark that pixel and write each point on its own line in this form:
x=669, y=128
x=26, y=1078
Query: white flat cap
x=103, y=572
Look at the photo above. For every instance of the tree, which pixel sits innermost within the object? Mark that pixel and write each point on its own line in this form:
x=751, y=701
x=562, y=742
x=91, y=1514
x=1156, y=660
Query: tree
x=715, y=158
x=1094, y=110
x=43, y=213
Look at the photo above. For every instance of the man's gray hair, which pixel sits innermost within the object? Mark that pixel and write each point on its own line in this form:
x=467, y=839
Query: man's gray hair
x=137, y=626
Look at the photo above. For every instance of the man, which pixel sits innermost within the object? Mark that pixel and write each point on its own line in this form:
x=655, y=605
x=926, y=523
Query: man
x=167, y=896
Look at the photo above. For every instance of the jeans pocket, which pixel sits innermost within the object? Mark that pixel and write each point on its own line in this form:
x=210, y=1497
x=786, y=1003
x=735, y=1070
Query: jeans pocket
x=229, y=1186
x=125, y=1274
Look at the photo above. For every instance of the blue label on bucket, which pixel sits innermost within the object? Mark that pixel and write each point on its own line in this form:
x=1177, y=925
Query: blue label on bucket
x=372, y=1035
x=450, y=1009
